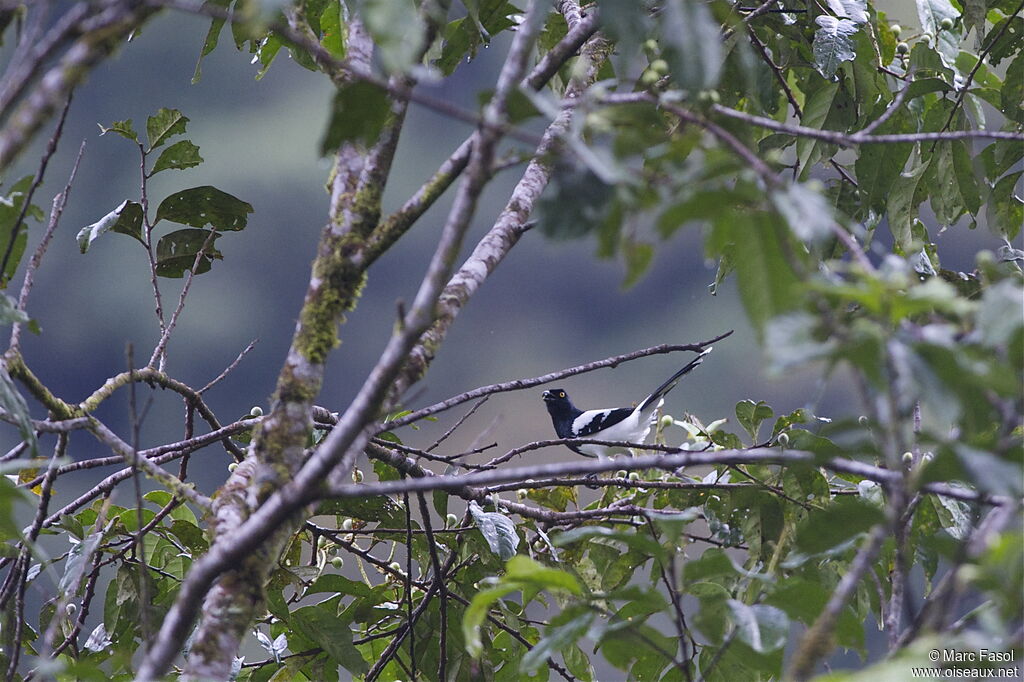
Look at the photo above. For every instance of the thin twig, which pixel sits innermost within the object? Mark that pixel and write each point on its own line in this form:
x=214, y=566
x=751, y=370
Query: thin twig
x=56, y=210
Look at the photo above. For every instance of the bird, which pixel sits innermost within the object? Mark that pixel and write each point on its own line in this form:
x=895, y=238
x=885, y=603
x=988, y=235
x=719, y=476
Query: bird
x=622, y=424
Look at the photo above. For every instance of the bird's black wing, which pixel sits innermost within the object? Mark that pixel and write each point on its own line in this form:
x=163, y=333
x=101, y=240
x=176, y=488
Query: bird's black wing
x=594, y=421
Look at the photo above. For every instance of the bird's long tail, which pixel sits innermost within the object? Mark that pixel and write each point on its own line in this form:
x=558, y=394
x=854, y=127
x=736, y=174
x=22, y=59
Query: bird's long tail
x=653, y=399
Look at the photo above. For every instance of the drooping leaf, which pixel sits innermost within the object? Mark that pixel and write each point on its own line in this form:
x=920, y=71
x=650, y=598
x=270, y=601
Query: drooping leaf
x=358, y=113
x=398, y=31
x=808, y=213
x=902, y=206
x=843, y=519
x=558, y=637
x=180, y=155
x=498, y=529
x=13, y=403
x=176, y=252
x=322, y=626
x=14, y=235
x=212, y=37
x=164, y=124
x=1005, y=209
x=833, y=44
x=761, y=627
x=205, y=205
x=125, y=219
x=693, y=48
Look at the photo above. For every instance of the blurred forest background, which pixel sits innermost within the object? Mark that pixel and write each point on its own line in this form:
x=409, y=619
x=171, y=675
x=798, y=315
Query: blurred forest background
x=551, y=305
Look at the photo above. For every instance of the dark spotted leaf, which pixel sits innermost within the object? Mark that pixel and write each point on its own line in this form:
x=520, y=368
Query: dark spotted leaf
x=206, y=205
x=177, y=251
x=163, y=124
x=180, y=155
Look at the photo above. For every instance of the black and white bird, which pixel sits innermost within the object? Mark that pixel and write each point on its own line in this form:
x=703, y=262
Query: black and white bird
x=621, y=424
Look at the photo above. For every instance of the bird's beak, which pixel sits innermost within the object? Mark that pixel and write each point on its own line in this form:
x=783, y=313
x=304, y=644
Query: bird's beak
x=547, y=395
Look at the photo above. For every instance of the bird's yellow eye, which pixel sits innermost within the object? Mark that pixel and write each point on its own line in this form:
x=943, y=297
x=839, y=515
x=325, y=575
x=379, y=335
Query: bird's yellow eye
x=561, y=394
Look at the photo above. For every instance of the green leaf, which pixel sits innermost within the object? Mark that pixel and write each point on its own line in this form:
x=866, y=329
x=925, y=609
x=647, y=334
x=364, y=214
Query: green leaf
x=1004, y=209
x=879, y=165
x=125, y=219
x=322, y=626
x=212, y=37
x=556, y=638
x=164, y=124
x=931, y=13
x=833, y=44
x=463, y=37
x=642, y=543
x=11, y=207
x=333, y=30
x=379, y=508
x=176, y=252
x=1012, y=93
x=638, y=260
x=626, y=22
x=902, y=206
x=816, y=111
x=761, y=627
x=358, y=113
x=842, y=520
x=751, y=414
x=15, y=406
x=397, y=29
x=1004, y=38
x=498, y=530
x=205, y=205
x=692, y=46
x=122, y=128
x=339, y=584
x=476, y=613
x=806, y=210
x=266, y=53
x=760, y=255
x=180, y=155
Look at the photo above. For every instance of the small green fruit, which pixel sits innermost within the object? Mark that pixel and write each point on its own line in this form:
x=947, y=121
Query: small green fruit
x=649, y=78
x=946, y=24
x=395, y=566
x=256, y=411
x=908, y=458
x=337, y=562
x=451, y=520
x=667, y=421
x=783, y=439
x=346, y=524
x=621, y=473
x=650, y=45
x=634, y=476
x=232, y=466
x=521, y=494
x=896, y=29
x=902, y=48
x=357, y=476
x=659, y=66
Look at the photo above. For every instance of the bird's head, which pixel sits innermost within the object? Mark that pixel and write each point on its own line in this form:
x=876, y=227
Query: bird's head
x=557, y=402
x=555, y=395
